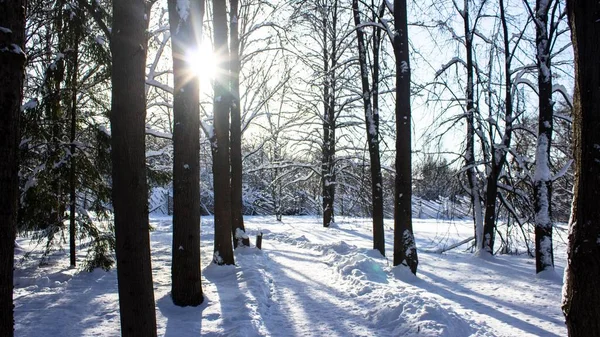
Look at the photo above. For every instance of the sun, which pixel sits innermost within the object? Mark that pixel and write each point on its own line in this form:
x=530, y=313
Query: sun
x=202, y=62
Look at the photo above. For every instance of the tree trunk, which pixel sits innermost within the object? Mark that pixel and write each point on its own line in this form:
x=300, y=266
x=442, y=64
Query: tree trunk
x=499, y=153
x=12, y=61
x=237, y=218
x=185, y=269
x=581, y=293
x=130, y=189
x=542, y=183
x=372, y=127
x=472, y=179
x=223, y=250
x=73, y=72
x=327, y=170
x=405, y=248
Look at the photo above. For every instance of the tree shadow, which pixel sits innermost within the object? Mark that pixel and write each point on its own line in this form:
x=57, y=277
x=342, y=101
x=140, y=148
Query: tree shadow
x=181, y=321
x=459, y=294
x=234, y=303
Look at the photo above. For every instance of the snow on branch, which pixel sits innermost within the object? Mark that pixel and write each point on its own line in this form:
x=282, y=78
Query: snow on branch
x=565, y=94
x=445, y=67
x=158, y=134
x=562, y=171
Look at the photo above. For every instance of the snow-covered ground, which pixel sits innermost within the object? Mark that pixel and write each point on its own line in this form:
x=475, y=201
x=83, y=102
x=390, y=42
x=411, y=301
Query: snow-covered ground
x=308, y=281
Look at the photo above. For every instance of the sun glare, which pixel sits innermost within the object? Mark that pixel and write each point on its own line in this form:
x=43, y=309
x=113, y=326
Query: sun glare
x=202, y=62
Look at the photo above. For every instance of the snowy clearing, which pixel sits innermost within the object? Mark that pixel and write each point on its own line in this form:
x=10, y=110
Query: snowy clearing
x=307, y=281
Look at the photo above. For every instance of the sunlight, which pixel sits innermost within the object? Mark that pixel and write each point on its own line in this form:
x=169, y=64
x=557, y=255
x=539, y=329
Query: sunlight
x=202, y=62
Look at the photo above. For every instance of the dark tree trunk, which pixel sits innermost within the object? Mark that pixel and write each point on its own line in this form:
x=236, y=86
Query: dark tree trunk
x=472, y=179
x=12, y=67
x=185, y=269
x=542, y=183
x=581, y=294
x=130, y=189
x=223, y=250
x=372, y=127
x=237, y=218
x=73, y=70
x=499, y=153
x=328, y=158
x=405, y=248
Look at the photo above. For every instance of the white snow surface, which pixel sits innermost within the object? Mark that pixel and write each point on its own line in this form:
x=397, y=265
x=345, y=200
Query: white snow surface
x=307, y=281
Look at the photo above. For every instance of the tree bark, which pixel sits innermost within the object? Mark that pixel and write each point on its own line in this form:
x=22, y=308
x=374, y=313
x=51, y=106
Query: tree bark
x=472, y=179
x=73, y=70
x=223, y=250
x=237, y=218
x=405, y=248
x=372, y=127
x=581, y=293
x=328, y=157
x=12, y=61
x=185, y=269
x=130, y=189
x=499, y=153
x=542, y=183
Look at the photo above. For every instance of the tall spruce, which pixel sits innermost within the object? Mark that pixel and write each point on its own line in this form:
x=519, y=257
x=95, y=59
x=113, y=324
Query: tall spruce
x=405, y=248
x=12, y=69
x=581, y=293
x=130, y=189
x=186, y=35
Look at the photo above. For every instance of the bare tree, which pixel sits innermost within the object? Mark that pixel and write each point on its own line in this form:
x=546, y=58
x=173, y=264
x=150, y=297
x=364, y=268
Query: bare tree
x=405, y=249
x=370, y=97
x=542, y=180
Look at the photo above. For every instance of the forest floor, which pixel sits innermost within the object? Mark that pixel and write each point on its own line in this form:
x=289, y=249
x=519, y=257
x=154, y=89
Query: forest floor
x=308, y=281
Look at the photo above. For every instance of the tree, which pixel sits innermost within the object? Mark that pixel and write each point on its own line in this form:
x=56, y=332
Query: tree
x=581, y=294
x=12, y=67
x=405, y=249
x=130, y=189
x=542, y=180
x=330, y=59
x=237, y=219
x=371, y=110
x=223, y=250
x=186, y=34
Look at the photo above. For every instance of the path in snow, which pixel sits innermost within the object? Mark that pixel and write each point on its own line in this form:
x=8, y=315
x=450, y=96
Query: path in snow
x=307, y=281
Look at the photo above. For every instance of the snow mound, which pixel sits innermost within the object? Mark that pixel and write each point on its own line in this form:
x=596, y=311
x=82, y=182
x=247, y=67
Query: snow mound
x=413, y=315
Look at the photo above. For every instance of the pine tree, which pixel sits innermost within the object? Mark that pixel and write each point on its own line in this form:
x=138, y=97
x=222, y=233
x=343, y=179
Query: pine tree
x=223, y=250
x=130, y=188
x=581, y=293
x=12, y=67
x=186, y=34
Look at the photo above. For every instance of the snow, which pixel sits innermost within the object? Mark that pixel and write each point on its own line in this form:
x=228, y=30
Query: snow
x=307, y=281
x=31, y=104
x=183, y=9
